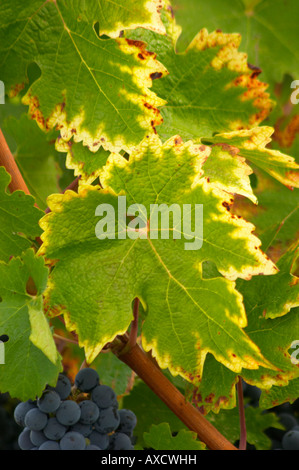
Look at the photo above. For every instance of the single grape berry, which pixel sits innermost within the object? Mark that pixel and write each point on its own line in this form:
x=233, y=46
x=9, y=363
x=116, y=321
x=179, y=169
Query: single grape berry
x=54, y=430
x=104, y=396
x=89, y=412
x=108, y=420
x=37, y=438
x=290, y=440
x=50, y=445
x=100, y=440
x=68, y=413
x=63, y=387
x=72, y=441
x=128, y=421
x=121, y=441
x=36, y=420
x=49, y=402
x=24, y=440
x=87, y=379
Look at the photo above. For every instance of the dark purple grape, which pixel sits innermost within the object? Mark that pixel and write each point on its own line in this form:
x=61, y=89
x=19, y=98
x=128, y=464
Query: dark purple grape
x=121, y=441
x=68, y=413
x=87, y=379
x=49, y=402
x=63, y=387
x=89, y=412
x=50, y=445
x=35, y=420
x=108, y=420
x=290, y=440
x=38, y=438
x=100, y=440
x=72, y=441
x=24, y=440
x=128, y=421
x=104, y=396
x=54, y=430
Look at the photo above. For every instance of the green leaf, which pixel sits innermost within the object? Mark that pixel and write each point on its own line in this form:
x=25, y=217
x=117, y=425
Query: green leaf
x=276, y=215
x=35, y=156
x=276, y=298
x=216, y=390
x=18, y=220
x=278, y=395
x=209, y=88
x=273, y=325
x=94, y=280
x=228, y=423
x=253, y=145
x=31, y=357
x=113, y=372
x=227, y=170
x=268, y=30
x=86, y=164
x=159, y=437
x=142, y=400
x=274, y=337
x=104, y=98
x=113, y=17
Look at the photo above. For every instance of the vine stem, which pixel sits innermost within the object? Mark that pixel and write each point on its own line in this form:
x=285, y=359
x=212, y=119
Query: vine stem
x=243, y=432
x=7, y=160
x=153, y=377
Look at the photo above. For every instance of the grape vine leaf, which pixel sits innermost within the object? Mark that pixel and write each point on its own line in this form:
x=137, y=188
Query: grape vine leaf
x=209, y=87
x=116, y=16
x=253, y=145
x=159, y=437
x=273, y=325
x=142, y=399
x=278, y=395
x=216, y=390
x=35, y=156
x=86, y=164
x=276, y=298
x=104, y=99
x=31, y=357
x=276, y=217
x=257, y=422
x=230, y=172
x=162, y=273
x=18, y=219
x=269, y=30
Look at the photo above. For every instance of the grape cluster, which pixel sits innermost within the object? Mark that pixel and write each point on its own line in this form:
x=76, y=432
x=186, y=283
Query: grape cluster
x=83, y=417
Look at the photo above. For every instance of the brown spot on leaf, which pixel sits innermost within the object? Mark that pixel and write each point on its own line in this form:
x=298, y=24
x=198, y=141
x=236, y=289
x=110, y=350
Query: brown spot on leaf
x=256, y=70
x=31, y=287
x=15, y=90
x=138, y=44
x=226, y=205
x=228, y=148
x=156, y=75
x=178, y=141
